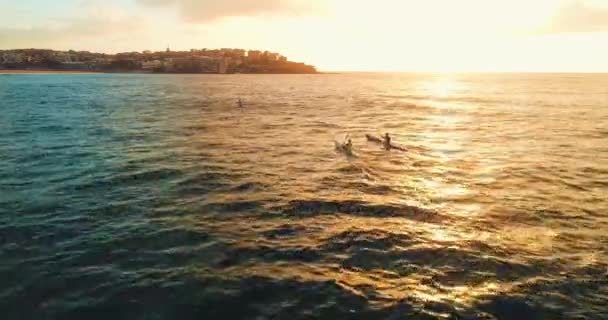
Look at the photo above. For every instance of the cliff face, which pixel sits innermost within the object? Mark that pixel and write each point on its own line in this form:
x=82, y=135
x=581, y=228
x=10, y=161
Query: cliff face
x=194, y=61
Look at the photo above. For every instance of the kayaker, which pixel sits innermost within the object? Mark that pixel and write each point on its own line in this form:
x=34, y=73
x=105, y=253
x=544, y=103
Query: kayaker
x=387, y=141
x=348, y=145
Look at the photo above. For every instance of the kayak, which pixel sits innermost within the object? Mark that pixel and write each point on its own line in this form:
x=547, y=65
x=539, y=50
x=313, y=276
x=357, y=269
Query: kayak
x=380, y=140
x=373, y=139
x=343, y=149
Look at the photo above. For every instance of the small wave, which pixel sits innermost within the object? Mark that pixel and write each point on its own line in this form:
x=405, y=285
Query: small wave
x=233, y=206
x=516, y=307
x=284, y=231
x=418, y=257
x=202, y=183
x=241, y=256
x=350, y=169
x=539, y=216
x=358, y=208
x=370, y=188
x=247, y=187
x=130, y=179
x=371, y=239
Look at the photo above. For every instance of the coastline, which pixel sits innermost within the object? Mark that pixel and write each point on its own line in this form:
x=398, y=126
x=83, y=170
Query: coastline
x=25, y=71
x=216, y=61
x=34, y=71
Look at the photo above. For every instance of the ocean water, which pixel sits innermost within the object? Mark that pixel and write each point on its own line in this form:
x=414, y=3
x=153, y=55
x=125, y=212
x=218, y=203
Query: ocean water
x=157, y=197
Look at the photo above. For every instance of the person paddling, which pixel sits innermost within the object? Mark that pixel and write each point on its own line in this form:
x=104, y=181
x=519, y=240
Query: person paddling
x=387, y=141
x=348, y=146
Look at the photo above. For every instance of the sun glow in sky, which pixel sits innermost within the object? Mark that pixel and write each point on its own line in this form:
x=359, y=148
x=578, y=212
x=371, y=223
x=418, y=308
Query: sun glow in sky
x=358, y=35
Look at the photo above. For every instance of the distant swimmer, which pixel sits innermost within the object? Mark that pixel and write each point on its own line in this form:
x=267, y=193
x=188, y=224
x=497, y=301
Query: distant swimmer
x=387, y=141
x=240, y=103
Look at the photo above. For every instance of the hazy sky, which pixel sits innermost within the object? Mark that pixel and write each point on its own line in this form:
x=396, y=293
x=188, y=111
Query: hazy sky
x=399, y=35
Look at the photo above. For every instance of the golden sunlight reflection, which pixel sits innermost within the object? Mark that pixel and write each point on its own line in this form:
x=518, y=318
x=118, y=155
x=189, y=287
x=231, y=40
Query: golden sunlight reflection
x=447, y=137
x=429, y=224
x=443, y=85
x=364, y=272
x=381, y=288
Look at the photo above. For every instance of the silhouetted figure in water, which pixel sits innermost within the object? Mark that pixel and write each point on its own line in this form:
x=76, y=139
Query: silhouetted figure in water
x=240, y=103
x=348, y=146
x=387, y=141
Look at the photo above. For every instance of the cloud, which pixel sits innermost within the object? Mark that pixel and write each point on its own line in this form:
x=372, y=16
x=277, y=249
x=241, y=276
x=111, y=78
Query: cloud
x=96, y=25
x=576, y=16
x=209, y=10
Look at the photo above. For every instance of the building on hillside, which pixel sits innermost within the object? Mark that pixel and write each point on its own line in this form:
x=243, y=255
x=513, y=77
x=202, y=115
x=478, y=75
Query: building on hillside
x=271, y=56
x=76, y=66
x=254, y=55
x=152, y=65
x=168, y=65
x=239, y=53
x=223, y=65
x=63, y=57
x=192, y=64
x=238, y=61
x=12, y=57
x=208, y=64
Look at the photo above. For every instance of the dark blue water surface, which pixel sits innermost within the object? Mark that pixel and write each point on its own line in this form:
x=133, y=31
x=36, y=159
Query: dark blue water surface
x=157, y=197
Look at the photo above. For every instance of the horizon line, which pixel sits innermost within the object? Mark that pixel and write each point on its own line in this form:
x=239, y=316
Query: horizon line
x=462, y=71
